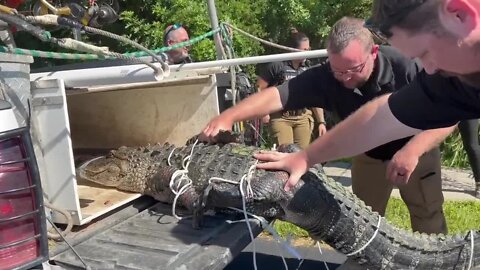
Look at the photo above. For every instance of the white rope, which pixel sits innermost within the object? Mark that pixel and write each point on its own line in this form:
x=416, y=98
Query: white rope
x=249, y=192
x=271, y=230
x=179, y=181
x=213, y=179
x=170, y=156
x=189, y=156
x=247, y=177
x=369, y=241
x=257, y=132
x=179, y=177
x=262, y=40
x=471, y=250
x=277, y=244
x=321, y=253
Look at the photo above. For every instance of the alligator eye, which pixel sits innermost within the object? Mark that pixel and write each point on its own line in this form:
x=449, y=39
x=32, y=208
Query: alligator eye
x=113, y=169
x=154, y=153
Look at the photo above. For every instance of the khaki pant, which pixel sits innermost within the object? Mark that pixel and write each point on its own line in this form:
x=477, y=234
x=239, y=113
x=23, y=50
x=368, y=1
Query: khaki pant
x=288, y=130
x=422, y=195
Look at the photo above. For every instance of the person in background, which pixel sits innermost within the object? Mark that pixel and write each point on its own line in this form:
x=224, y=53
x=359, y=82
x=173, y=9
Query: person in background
x=174, y=34
x=445, y=36
x=357, y=72
x=469, y=132
x=290, y=126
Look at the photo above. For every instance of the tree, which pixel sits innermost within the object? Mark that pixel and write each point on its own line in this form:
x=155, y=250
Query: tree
x=145, y=20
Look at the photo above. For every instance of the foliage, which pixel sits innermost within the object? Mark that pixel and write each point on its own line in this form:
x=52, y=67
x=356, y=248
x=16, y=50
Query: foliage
x=146, y=26
x=453, y=154
x=312, y=17
x=145, y=20
x=268, y=19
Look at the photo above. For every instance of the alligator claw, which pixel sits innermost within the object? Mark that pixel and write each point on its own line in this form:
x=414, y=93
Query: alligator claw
x=199, y=208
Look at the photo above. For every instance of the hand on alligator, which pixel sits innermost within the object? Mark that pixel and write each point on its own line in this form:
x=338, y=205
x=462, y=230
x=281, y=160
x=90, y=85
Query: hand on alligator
x=294, y=163
x=401, y=167
x=218, y=123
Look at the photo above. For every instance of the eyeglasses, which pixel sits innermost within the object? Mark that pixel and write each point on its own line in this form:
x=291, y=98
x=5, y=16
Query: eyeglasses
x=357, y=69
x=171, y=28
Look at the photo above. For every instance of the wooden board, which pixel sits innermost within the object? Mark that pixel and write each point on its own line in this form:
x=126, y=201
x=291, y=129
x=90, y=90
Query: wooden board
x=96, y=200
x=140, y=115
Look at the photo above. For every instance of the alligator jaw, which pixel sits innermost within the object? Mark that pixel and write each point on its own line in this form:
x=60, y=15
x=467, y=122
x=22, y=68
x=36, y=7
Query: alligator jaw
x=103, y=171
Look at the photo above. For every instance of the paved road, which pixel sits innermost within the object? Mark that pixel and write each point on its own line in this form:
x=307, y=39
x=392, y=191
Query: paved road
x=457, y=184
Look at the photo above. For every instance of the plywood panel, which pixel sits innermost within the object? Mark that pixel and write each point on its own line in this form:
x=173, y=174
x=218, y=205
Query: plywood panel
x=142, y=114
x=96, y=200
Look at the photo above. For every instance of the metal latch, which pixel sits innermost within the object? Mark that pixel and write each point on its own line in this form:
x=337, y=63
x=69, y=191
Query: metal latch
x=45, y=101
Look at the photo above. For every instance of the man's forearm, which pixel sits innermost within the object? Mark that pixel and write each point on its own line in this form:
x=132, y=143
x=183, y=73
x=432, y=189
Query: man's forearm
x=255, y=106
x=427, y=140
x=319, y=115
x=372, y=125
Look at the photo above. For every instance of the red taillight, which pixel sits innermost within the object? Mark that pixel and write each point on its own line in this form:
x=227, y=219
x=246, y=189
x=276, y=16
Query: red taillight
x=19, y=214
x=6, y=209
x=14, y=3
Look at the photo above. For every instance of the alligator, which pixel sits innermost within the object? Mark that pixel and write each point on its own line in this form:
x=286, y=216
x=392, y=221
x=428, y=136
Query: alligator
x=318, y=204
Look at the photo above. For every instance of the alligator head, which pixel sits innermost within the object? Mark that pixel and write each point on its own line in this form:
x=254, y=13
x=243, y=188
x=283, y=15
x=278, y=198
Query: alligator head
x=125, y=168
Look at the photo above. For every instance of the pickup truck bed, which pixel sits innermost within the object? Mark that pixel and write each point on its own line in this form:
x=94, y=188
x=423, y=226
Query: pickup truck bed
x=139, y=237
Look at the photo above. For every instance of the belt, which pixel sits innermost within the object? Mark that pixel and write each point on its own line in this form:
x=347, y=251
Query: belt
x=294, y=112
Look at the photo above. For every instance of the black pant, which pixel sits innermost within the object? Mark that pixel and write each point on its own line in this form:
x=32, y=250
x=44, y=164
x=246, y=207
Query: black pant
x=469, y=131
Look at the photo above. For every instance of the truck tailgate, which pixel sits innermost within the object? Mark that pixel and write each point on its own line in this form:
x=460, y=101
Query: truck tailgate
x=153, y=239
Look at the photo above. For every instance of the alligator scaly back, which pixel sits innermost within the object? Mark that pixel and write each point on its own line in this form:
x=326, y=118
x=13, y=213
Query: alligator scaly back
x=331, y=213
x=318, y=204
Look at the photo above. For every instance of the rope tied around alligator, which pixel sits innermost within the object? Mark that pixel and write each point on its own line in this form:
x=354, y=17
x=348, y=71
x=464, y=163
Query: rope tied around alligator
x=369, y=241
x=472, y=243
x=246, y=180
x=180, y=181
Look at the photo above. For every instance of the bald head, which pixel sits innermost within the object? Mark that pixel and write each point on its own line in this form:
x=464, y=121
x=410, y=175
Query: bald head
x=174, y=35
x=346, y=30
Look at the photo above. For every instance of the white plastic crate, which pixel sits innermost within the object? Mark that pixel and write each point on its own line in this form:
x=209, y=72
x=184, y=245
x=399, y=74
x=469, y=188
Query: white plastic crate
x=108, y=117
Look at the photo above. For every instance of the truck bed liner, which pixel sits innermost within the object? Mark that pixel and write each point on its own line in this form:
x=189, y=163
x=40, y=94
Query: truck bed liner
x=153, y=239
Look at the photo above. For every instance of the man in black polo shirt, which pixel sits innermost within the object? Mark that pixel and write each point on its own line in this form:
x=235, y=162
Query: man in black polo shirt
x=444, y=35
x=357, y=72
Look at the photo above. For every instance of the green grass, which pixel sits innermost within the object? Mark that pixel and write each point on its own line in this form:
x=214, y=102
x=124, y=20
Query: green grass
x=461, y=217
